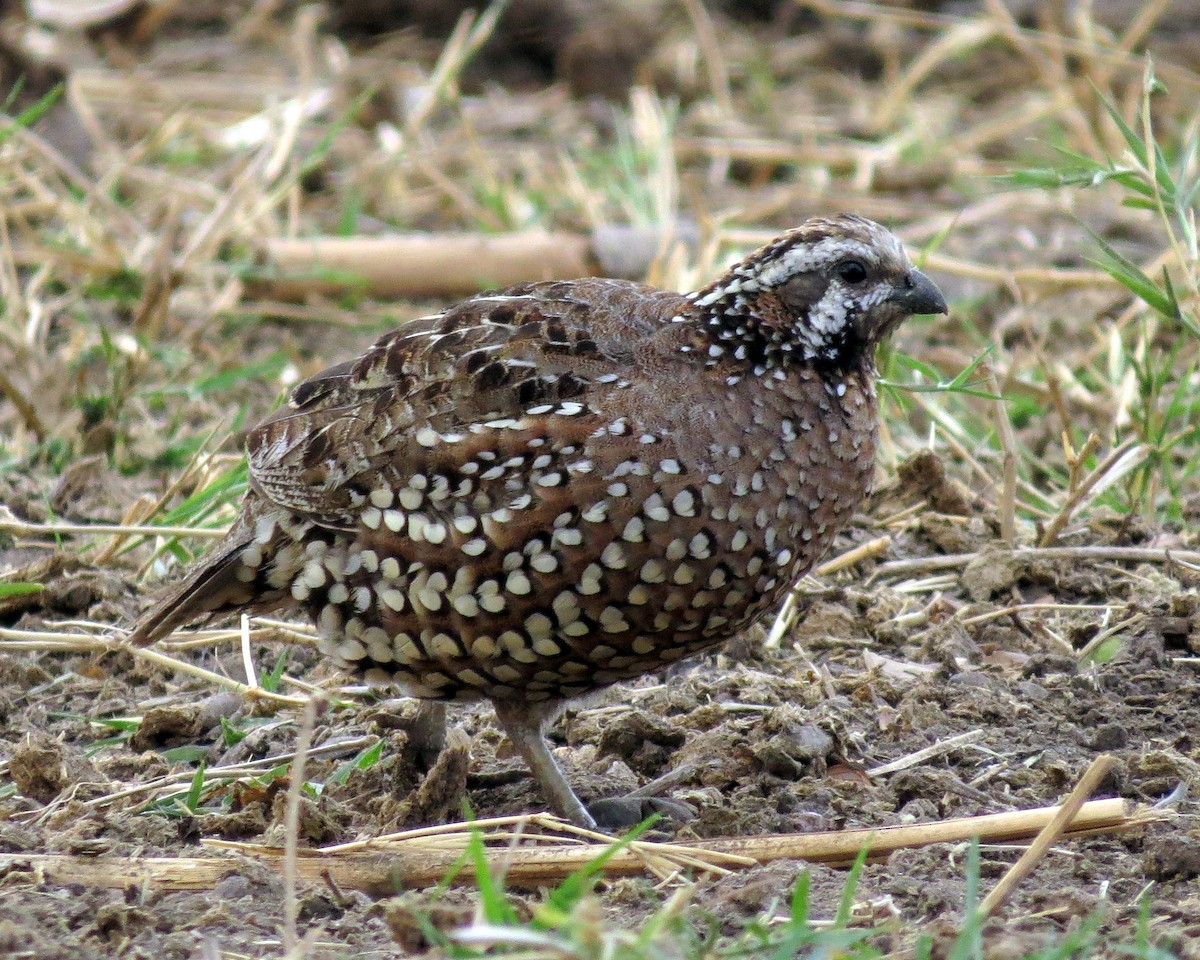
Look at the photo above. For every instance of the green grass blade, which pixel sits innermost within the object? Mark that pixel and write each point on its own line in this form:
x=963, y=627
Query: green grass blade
x=496, y=908
x=31, y=114
x=799, y=906
x=969, y=945
x=265, y=369
x=1188, y=324
x=1130, y=275
x=365, y=759
x=225, y=489
x=19, y=589
x=846, y=903
x=270, y=680
x=1136, y=146
x=187, y=753
x=192, y=800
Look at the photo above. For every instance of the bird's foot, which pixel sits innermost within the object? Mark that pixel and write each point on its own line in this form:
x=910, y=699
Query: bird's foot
x=622, y=813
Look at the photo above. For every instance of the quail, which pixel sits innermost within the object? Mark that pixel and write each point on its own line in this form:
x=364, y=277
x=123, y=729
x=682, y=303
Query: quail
x=545, y=490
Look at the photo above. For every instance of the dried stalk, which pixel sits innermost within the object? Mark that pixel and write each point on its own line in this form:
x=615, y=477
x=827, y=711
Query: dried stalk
x=379, y=871
x=26, y=640
x=1048, y=836
x=420, y=264
x=954, y=561
x=291, y=821
x=10, y=524
x=1121, y=461
x=1007, y=504
x=714, y=60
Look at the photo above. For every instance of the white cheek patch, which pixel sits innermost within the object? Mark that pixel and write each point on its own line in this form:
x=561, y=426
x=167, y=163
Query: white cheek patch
x=825, y=326
x=830, y=313
x=839, y=306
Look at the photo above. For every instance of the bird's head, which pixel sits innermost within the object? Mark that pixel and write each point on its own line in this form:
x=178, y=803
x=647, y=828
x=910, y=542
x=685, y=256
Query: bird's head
x=824, y=294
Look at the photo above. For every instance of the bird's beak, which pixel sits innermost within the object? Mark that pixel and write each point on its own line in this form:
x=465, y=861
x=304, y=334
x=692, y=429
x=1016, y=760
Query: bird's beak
x=918, y=294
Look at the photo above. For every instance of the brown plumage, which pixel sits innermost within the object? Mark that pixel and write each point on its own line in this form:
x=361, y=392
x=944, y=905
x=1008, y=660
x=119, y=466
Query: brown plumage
x=545, y=490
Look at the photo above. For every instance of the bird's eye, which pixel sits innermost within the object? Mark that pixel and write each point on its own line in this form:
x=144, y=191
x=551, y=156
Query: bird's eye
x=852, y=271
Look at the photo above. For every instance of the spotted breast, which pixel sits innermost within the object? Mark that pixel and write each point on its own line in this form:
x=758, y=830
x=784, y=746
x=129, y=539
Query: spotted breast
x=561, y=485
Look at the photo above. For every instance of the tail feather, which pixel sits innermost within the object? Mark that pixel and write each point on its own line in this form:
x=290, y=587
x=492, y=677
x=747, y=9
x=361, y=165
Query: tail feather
x=211, y=588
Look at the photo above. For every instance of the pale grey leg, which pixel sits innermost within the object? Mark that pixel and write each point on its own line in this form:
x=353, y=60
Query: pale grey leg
x=428, y=731
x=524, y=729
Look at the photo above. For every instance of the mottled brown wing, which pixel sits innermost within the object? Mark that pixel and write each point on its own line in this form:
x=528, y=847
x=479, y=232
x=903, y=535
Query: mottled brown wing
x=486, y=359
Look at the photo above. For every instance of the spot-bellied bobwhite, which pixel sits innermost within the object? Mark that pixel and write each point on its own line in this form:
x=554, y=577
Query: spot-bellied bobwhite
x=542, y=491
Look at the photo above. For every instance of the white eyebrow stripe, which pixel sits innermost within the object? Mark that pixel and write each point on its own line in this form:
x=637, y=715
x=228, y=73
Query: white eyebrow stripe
x=801, y=259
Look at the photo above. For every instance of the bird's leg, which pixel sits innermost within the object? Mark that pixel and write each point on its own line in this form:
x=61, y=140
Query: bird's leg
x=427, y=735
x=524, y=729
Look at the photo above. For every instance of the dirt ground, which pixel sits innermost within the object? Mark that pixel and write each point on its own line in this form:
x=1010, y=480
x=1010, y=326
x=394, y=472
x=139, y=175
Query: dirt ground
x=882, y=661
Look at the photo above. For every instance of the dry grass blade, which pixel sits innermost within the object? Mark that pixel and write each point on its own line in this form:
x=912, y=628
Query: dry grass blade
x=553, y=826
x=469, y=34
x=714, y=60
x=276, y=630
x=1123, y=460
x=420, y=264
x=920, y=756
x=843, y=561
x=25, y=407
x=954, y=561
x=959, y=39
x=158, y=787
x=291, y=821
x=1018, y=608
x=49, y=640
x=1048, y=835
x=1045, y=279
x=378, y=871
x=19, y=528
x=446, y=844
x=1007, y=501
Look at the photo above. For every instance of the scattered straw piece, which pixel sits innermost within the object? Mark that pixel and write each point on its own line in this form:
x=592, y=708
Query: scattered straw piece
x=1048, y=835
x=12, y=525
x=379, y=871
x=44, y=640
x=291, y=902
x=920, y=756
x=787, y=612
x=1099, y=554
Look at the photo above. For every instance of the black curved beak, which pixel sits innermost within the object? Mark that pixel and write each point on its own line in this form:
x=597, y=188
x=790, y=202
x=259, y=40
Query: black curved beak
x=918, y=294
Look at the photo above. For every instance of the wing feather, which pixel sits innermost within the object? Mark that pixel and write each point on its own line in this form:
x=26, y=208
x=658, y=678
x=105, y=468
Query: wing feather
x=486, y=360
